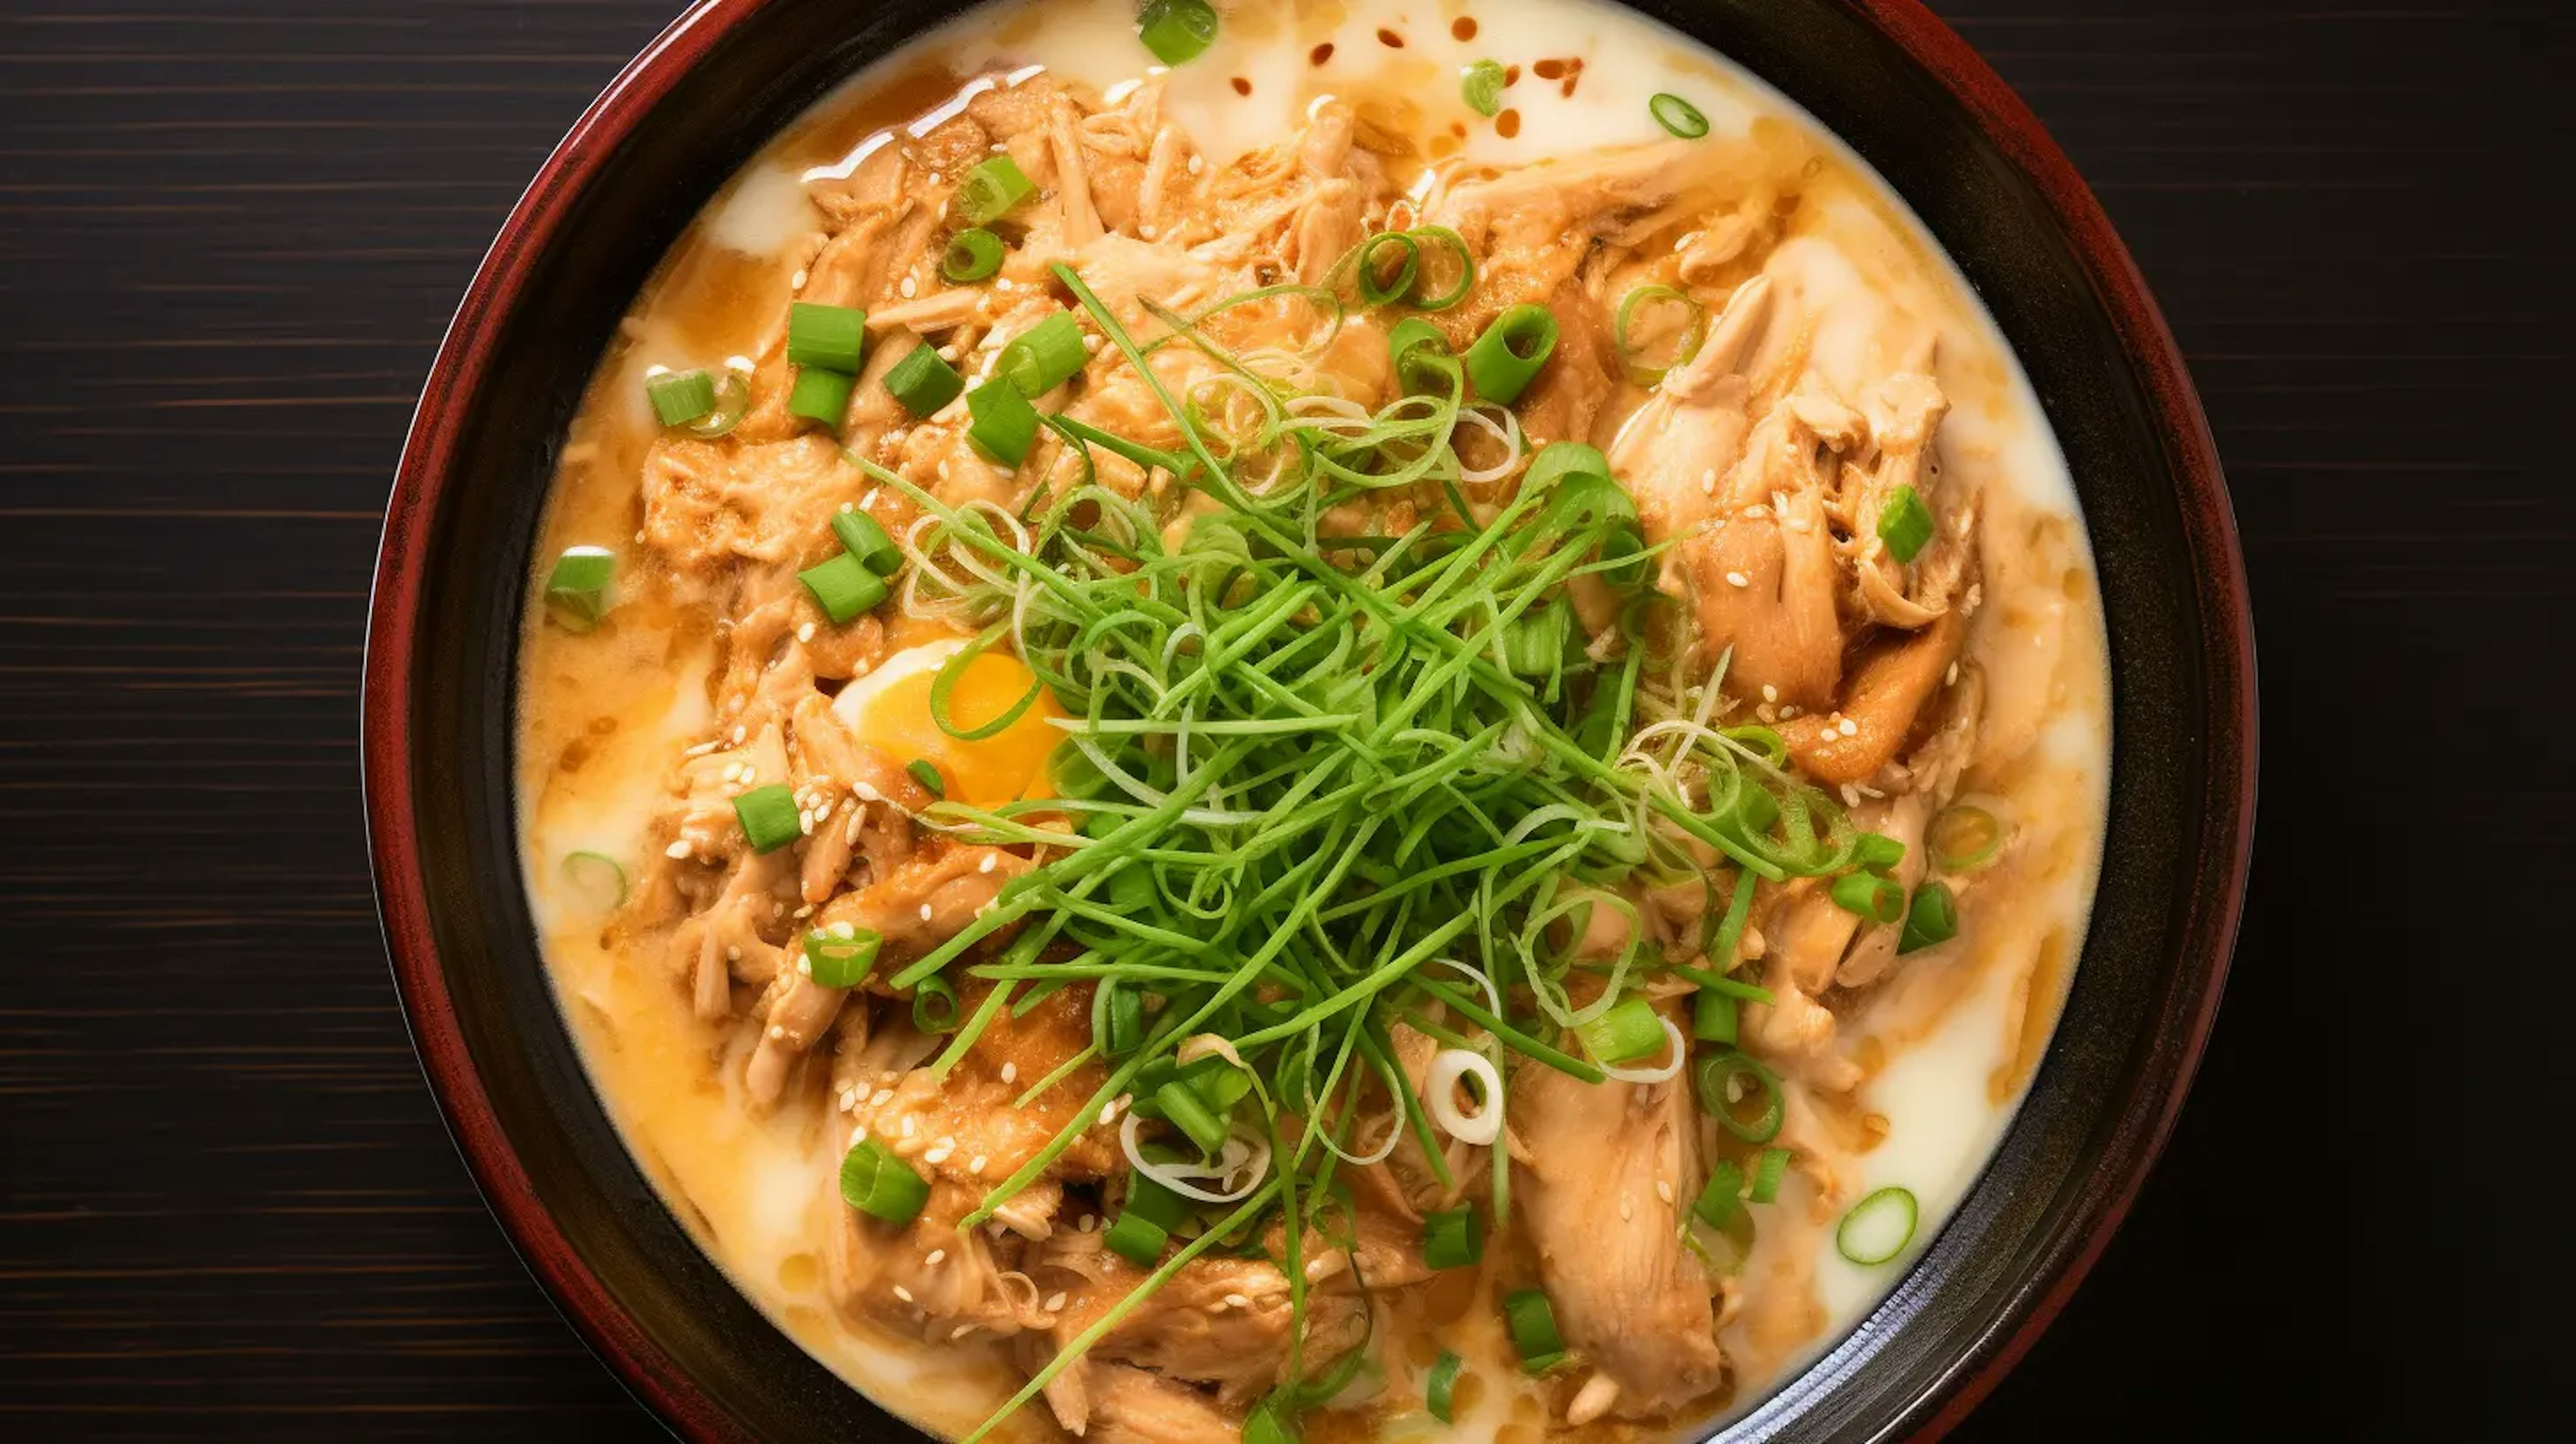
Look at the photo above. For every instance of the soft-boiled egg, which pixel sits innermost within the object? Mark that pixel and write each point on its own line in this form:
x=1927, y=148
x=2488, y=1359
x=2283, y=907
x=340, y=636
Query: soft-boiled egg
x=889, y=709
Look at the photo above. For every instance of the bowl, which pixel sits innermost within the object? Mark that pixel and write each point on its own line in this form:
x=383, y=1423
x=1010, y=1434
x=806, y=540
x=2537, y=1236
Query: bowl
x=1884, y=74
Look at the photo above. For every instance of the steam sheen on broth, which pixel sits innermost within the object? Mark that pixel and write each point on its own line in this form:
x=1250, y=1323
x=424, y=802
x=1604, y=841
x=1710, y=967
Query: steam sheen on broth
x=1920, y=714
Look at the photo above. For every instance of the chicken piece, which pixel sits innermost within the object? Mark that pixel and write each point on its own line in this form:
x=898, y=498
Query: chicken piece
x=1881, y=706
x=1805, y=935
x=1908, y=407
x=1220, y=1320
x=928, y=1277
x=1901, y=817
x=708, y=504
x=1609, y=1168
x=970, y=1128
x=1078, y=223
x=1691, y=431
x=1130, y=1406
x=1604, y=193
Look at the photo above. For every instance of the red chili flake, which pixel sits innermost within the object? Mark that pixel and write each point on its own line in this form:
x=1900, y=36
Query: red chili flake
x=1507, y=124
x=1464, y=27
x=1511, y=75
x=1390, y=40
x=1548, y=69
x=1242, y=86
x=1320, y=53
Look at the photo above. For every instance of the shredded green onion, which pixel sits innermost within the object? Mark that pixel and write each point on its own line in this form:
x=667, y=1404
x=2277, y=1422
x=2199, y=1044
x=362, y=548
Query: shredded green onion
x=1769, y=1168
x=843, y=587
x=1724, y=1194
x=926, y=772
x=1044, y=356
x=1440, y=1390
x=1931, y=919
x=1877, y=899
x=1533, y=1327
x=821, y=395
x=832, y=337
x=1713, y=1016
x=1137, y=1239
x=863, y=538
x=1454, y=1239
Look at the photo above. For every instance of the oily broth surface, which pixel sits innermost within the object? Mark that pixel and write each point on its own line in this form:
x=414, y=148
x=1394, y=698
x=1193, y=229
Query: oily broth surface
x=1949, y=1044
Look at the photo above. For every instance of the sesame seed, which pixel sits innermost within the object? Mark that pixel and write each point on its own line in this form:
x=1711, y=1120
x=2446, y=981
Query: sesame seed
x=739, y=733
x=908, y=1125
x=925, y=912
x=1848, y=727
x=733, y=954
x=804, y=969
x=1238, y=1301
x=903, y=1293
x=1738, y=579
x=1109, y=1112
x=1625, y=1211
x=961, y=1331
x=1770, y=693
x=976, y=1163
x=1086, y=1224
x=775, y=1031
x=1146, y=230
x=909, y=289
x=1055, y=1302
x=992, y=857
x=858, y=1135
x=1010, y=1072
x=677, y=849
x=935, y=1255
x=937, y=1155
x=844, y=930
x=1663, y=1190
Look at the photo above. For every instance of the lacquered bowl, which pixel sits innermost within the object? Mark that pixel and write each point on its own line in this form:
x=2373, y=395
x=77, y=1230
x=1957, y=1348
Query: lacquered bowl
x=1893, y=82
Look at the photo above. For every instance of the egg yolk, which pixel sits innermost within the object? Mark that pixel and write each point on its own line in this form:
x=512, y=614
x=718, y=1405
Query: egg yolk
x=986, y=771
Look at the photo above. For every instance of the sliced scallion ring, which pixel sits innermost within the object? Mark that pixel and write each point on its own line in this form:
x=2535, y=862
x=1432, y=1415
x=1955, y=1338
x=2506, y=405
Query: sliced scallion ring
x=1648, y=305
x=972, y=254
x=1440, y=1389
x=732, y=403
x=1366, y=267
x=679, y=397
x=1481, y=86
x=1456, y=245
x=577, y=589
x=1678, y=115
x=1963, y=837
x=1878, y=1227
x=1723, y=1089
x=598, y=879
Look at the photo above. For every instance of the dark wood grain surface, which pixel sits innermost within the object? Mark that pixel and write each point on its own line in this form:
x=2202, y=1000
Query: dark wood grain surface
x=230, y=235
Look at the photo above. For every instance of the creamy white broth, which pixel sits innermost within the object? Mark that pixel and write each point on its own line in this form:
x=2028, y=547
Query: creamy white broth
x=1949, y=1043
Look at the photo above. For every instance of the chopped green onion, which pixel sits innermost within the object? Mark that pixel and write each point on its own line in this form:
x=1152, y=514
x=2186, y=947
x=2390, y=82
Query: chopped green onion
x=1713, y=1016
x=1684, y=347
x=934, y=1005
x=1453, y=1240
x=1044, y=356
x=972, y=254
x=1905, y=524
x=843, y=587
x=1457, y=292
x=833, y=961
x=732, y=402
x=577, y=588
x=1932, y=919
x=1721, y=1091
x=1878, y=1227
x=1375, y=291
x=1877, y=852
x=926, y=772
x=922, y=383
x=1505, y=359
x=1627, y=1032
x=1131, y=890
x=1151, y=1200
x=1964, y=837
x=1440, y=1391
x=1004, y=425
x=598, y=878
x=1678, y=115
x=821, y=395
x=878, y=1184
x=864, y=539
x=832, y=337
x=768, y=817
x=1533, y=1326
x=681, y=396
x=1412, y=374
x=1176, y=30
x=1136, y=1238
x=1482, y=87
x=1723, y=1195
x=1768, y=1170
x=1877, y=899
x=987, y=193
x=1184, y=1109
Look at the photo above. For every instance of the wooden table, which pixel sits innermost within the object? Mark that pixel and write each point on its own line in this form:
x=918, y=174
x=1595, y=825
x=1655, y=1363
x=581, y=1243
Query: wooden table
x=230, y=236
